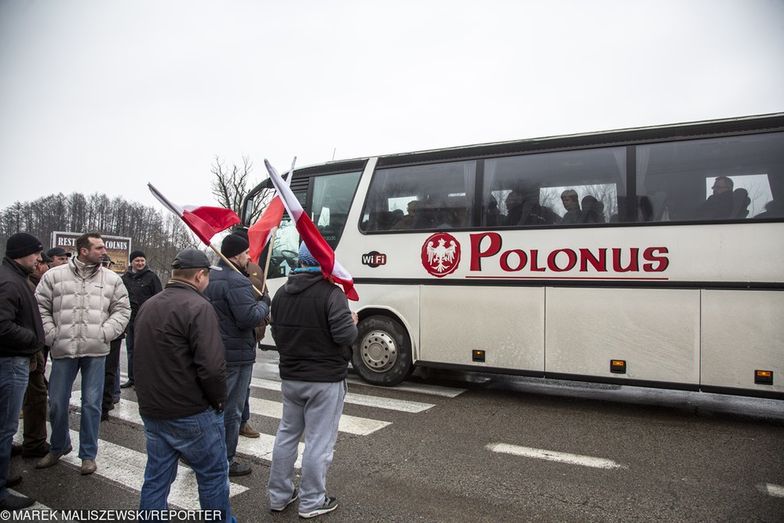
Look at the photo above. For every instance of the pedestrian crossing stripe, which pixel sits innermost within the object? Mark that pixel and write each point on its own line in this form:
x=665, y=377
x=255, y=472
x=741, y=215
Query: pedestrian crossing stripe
x=412, y=407
x=126, y=466
x=274, y=409
x=261, y=447
x=416, y=388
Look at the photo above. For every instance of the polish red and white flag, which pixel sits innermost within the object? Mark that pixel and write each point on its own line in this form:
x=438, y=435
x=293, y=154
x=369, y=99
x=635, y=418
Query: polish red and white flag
x=204, y=221
x=260, y=233
x=318, y=246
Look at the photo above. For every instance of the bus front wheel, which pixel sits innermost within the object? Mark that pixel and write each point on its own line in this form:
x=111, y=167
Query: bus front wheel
x=382, y=353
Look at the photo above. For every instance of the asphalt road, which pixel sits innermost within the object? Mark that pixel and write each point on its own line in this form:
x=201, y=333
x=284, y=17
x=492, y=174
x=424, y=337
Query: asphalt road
x=470, y=447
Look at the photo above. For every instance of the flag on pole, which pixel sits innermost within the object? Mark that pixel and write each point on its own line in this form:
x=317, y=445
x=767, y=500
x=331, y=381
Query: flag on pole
x=204, y=221
x=319, y=248
x=260, y=232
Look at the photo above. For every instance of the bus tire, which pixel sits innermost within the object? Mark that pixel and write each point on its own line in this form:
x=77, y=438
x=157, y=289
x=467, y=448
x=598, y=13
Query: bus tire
x=382, y=353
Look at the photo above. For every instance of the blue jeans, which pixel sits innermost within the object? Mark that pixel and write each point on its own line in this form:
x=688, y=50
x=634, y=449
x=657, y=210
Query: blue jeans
x=246, y=409
x=314, y=409
x=201, y=440
x=60, y=384
x=14, y=372
x=237, y=383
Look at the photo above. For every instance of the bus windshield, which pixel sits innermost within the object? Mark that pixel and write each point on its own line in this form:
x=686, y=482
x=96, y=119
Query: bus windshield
x=328, y=208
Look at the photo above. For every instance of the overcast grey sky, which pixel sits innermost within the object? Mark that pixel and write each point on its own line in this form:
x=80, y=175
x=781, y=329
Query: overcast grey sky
x=104, y=96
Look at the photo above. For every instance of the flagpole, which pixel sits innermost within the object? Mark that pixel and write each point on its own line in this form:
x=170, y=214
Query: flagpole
x=271, y=245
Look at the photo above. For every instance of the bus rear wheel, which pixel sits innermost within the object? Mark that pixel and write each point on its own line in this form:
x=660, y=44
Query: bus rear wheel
x=382, y=353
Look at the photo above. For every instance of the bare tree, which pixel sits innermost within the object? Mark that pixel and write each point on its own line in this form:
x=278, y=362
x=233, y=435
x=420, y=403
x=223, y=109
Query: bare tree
x=231, y=185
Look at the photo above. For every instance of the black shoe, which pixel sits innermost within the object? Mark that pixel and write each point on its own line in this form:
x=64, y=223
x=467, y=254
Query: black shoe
x=15, y=502
x=127, y=384
x=239, y=469
x=16, y=449
x=329, y=505
x=292, y=499
x=13, y=481
x=38, y=452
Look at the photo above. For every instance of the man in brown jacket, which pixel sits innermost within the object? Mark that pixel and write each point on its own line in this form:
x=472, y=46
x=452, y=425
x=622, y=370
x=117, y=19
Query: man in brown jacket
x=181, y=386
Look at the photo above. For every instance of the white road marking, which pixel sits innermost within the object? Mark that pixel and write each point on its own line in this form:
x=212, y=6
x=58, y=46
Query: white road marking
x=126, y=467
x=419, y=388
x=551, y=455
x=358, y=399
x=261, y=447
x=349, y=424
x=777, y=491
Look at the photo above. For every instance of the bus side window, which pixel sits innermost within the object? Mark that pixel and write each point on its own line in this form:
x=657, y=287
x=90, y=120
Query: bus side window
x=714, y=179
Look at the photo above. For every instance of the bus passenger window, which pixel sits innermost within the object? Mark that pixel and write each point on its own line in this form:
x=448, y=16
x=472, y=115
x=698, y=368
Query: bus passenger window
x=716, y=179
x=420, y=197
x=575, y=188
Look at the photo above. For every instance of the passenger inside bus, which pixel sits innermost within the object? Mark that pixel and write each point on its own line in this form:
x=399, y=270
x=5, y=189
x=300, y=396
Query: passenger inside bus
x=523, y=208
x=492, y=213
x=592, y=210
x=408, y=221
x=572, y=206
x=773, y=209
x=720, y=203
x=740, y=203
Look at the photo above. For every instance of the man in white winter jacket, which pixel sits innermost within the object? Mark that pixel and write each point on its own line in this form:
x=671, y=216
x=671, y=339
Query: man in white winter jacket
x=84, y=306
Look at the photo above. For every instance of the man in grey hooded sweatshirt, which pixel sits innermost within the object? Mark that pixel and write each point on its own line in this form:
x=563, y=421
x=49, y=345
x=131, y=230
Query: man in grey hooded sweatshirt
x=313, y=330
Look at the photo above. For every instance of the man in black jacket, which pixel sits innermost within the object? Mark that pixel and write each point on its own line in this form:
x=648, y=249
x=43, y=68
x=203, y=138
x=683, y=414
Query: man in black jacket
x=142, y=284
x=313, y=330
x=240, y=310
x=21, y=337
x=181, y=386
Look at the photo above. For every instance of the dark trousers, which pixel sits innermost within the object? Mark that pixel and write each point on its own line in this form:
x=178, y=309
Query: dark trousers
x=112, y=366
x=129, y=350
x=34, y=406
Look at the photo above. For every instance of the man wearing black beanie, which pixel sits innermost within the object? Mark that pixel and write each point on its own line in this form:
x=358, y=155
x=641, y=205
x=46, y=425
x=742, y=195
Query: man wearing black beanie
x=142, y=285
x=239, y=312
x=21, y=337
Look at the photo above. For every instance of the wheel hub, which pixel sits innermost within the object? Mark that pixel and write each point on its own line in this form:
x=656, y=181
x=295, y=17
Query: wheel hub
x=379, y=351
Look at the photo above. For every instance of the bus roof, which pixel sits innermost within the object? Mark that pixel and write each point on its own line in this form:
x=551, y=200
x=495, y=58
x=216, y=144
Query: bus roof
x=665, y=132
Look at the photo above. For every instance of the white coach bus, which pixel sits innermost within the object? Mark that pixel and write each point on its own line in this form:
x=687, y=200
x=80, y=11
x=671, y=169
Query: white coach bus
x=650, y=256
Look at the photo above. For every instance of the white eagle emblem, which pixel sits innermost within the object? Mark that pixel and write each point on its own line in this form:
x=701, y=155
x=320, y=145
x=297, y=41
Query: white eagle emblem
x=441, y=255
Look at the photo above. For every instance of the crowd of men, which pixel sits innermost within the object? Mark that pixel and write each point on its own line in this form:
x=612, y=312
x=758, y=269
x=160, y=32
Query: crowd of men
x=191, y=348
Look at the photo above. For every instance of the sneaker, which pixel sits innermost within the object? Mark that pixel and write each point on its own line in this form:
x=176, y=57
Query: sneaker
x=248, y=431
x=239, y=469
x=38, y=452
x=329, y=505
x=13, y=502
x=292, y=499
x=88, y=467
x=52, y=458
x=12, y=481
